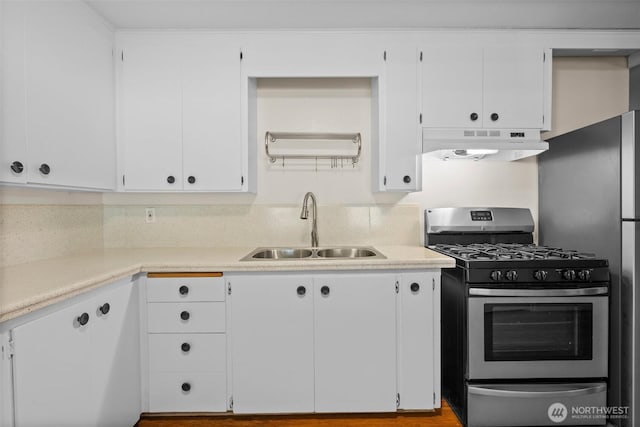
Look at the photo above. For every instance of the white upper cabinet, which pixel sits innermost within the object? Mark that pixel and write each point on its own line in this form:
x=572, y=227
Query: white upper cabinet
x=485, y=88
x=180, y=113
x=59, y=96
x=396, y=162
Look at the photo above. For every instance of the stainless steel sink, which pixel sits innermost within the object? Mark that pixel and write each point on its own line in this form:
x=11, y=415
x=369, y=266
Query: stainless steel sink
x=346, y=253
x=280, y=254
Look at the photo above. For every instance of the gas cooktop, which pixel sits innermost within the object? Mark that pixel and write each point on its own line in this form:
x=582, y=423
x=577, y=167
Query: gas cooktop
x=509, y=251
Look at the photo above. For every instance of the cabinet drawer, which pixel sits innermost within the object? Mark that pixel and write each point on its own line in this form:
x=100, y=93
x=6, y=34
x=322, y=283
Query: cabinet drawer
x=165, y=317
x=206, y=392
x=185, y=289
x=187, y=352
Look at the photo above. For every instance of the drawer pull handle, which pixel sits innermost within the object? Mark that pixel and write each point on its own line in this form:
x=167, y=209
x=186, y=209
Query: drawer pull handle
x=104, y=308
x=185, y=347
x=184, y=315
x=184, y=290
x=301, y=290
x=83, y=319
x=186, y=387
x=325, y=290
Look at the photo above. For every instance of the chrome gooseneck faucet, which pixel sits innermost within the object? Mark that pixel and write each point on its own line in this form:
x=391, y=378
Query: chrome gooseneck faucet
x=314, y=216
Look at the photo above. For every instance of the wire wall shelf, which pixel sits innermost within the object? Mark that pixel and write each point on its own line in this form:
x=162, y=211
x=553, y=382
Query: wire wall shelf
x=341, y=149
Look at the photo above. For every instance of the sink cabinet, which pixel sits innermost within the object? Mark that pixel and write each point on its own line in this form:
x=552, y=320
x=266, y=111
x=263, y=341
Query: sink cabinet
x=334, y=342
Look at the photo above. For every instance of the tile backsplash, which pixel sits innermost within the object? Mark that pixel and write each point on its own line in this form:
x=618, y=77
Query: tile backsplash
x=34, y=232
x=260, y=225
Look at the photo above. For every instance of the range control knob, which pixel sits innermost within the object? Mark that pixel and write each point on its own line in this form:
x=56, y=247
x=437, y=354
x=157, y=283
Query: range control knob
x=540, y=275
x=584, y=275
x=569, y=275
x=496, y=275
x=511, y=275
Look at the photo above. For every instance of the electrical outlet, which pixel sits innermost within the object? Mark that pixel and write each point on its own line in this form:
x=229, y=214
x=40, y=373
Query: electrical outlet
x=150, y=215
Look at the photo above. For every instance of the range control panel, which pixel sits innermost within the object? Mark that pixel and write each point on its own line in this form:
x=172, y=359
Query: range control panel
x=481, y=216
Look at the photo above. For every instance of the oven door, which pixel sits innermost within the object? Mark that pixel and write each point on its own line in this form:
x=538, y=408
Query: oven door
x=545, y=333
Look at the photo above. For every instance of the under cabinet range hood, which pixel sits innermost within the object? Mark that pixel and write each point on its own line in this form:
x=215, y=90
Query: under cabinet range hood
x=482, y=144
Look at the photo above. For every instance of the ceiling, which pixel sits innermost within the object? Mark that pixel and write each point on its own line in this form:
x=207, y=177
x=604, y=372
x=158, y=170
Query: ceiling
x=370, y=14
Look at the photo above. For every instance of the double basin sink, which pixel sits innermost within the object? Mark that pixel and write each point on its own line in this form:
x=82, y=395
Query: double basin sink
x=279, y=254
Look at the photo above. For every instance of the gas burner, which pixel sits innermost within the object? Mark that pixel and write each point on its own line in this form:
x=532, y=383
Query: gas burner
x=510, y=251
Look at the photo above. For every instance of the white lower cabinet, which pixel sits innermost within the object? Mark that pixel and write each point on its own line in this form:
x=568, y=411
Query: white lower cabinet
x=79, y=366
x=187, y=350
x=321, y=342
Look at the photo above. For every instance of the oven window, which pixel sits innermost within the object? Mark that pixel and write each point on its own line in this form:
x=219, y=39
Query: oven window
x=538, y=331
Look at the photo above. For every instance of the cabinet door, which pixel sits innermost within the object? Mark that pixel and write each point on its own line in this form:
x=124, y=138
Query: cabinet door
x=401, y=146
x=211, y=129
x=418, y=341
x=115, y=349
x=272, y=343
x=52, y=370
x=69, y=96
x=355, y=343
x=13, y=138
x=151, y=127
x=452, y=87
x=513, y=88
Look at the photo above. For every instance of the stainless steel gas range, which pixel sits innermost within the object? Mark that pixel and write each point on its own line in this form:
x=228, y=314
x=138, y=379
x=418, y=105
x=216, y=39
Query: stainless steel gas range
x=524, y=327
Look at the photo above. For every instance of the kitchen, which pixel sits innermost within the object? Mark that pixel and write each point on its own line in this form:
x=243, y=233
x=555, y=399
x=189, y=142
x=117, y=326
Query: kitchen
x=38, y=223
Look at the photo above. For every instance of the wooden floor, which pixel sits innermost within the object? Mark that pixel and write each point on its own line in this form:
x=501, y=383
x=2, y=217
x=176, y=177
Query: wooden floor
x=442, y=418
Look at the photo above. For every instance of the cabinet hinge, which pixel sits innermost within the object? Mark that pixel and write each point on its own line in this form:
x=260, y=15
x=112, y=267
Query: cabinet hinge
x=384, y=181
x=397, y=287
x=398, y=400
x=434, y=398
x=420, y=118
x=8, y=351
x=384, y=55
x=241, y=56
x=544, y=56
x=420, y=56
x=242, y=180
x=229, y=288
x=122, y=179
x=122, y=55
x=543, y=119
x=231, y=402
x=433, y=284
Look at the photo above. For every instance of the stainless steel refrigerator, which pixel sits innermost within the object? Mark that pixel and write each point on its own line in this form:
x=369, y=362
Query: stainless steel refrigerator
x=589, y=200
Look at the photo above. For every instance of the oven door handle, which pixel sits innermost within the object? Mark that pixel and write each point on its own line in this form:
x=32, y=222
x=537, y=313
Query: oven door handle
x=490, y=292
x=568, y=392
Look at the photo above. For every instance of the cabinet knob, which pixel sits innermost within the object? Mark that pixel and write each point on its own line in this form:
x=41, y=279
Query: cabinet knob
x=83, y=319
x=104, y=308
x=301, y=290
x=171, y=179
x=185, y=347
x=191, y=179
x=184, y=290
x=185, y=315
x=414, y=287
x=17, y=167
x=186, y=386
x=473, y=116
x=325, y=290
x=44, y=169
x=494, y=117
x=406, y=179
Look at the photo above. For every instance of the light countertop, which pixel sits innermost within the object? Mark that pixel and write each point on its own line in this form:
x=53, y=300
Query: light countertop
x=30, y=286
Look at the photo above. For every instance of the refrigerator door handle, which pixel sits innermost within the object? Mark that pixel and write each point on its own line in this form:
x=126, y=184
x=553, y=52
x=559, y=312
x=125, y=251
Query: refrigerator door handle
x=629, y=164
x=525, y=392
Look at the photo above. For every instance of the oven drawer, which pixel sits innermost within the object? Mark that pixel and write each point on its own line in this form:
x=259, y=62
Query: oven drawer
x=187, y=392
x=497, y=405
x=194, y=317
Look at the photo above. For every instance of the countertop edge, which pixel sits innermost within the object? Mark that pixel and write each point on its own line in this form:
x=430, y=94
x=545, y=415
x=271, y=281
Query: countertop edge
x=62, y=293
